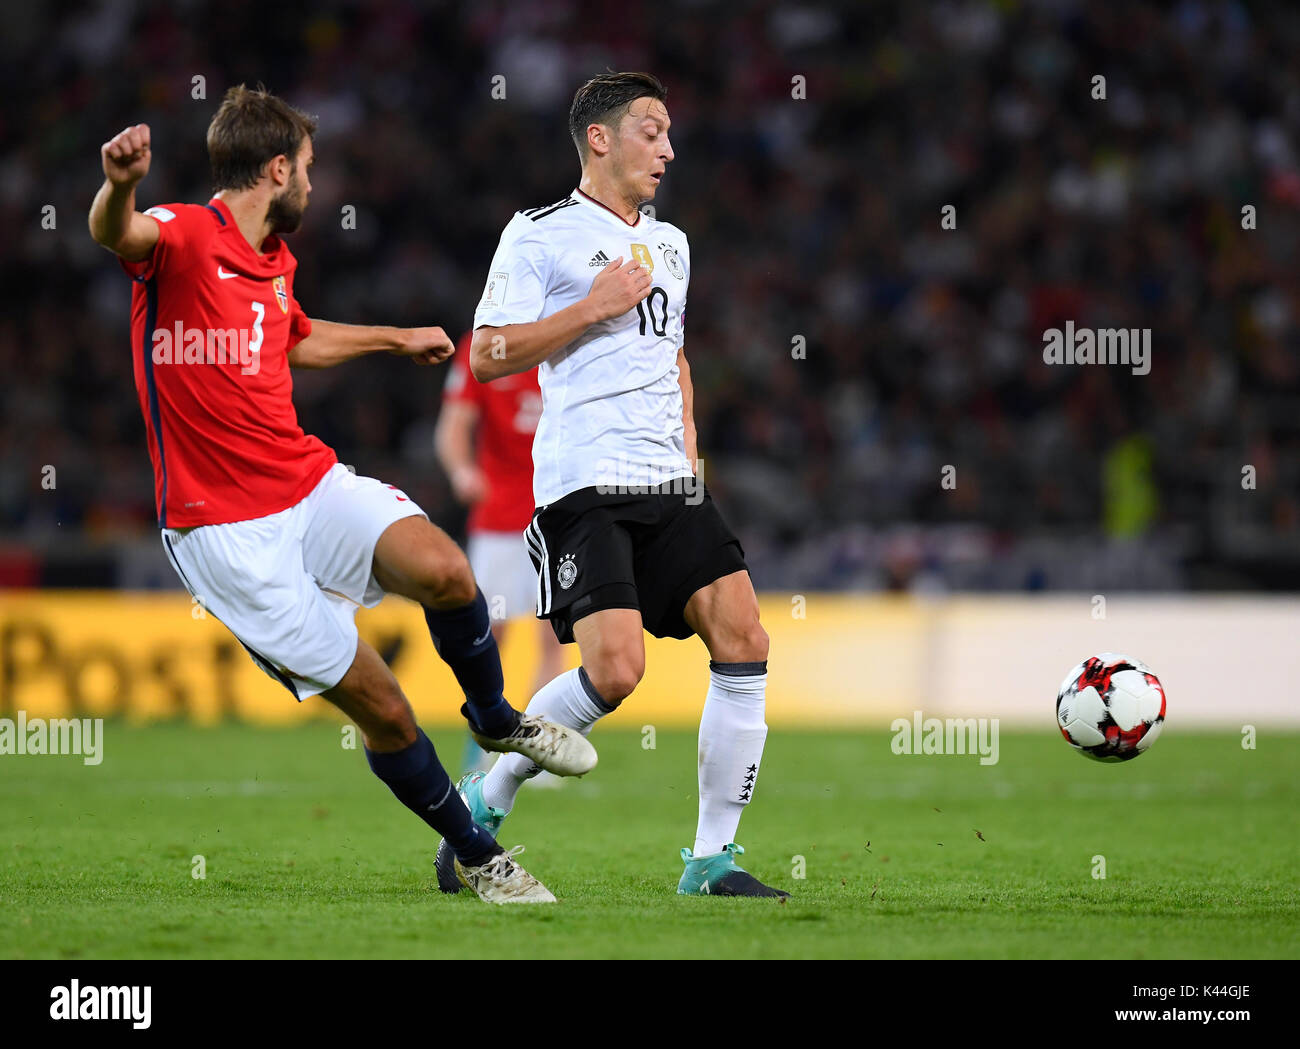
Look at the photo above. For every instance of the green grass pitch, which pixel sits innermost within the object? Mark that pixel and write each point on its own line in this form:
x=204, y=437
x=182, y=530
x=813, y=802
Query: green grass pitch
x=308, y=856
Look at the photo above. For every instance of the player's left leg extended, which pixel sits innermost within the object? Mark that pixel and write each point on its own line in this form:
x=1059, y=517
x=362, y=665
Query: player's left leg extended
x=402, y=756
x=732, y=734
x=416, y=559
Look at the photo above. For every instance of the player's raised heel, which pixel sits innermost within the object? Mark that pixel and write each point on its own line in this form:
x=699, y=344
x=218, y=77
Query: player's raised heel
x=718, y=875
x=553, y=747
x=502, y=880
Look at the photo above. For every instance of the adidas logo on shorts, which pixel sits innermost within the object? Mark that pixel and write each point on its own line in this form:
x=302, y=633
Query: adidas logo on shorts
x=599, y=259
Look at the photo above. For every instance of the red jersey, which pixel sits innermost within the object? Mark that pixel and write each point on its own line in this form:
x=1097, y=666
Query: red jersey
x=212, y=323
x=508, y=411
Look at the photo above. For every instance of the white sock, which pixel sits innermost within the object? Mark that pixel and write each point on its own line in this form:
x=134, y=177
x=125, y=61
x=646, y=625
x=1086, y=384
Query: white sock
x=568, y=700
x=732, y=733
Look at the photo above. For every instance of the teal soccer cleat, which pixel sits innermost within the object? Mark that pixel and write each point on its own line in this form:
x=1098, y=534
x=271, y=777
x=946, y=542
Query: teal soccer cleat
x=718, y=875
x=470, y=789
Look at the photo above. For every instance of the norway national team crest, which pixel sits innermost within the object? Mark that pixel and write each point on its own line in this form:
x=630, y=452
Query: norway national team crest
x=281, y=293
x=642, y=254
x=673, y=263
x=567, y=572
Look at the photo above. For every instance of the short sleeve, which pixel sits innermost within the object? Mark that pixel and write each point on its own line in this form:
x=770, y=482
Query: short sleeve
x=515, y=292
x=299, y=323
x=177, y=234
x=461, y=385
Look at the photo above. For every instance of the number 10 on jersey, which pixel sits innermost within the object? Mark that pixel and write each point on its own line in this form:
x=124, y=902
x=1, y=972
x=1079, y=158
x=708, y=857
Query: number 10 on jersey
x=654, y=309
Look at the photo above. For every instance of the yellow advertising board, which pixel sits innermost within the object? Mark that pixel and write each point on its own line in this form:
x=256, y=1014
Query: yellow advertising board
x=835, y=660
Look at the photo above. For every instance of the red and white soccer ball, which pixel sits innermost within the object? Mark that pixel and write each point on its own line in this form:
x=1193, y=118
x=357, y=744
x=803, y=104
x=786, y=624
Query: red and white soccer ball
x=1110, y=707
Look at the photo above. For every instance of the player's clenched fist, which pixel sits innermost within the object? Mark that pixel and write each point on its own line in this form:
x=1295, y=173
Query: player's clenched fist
x=126, y=155
x=425, y=345
x=618, y=287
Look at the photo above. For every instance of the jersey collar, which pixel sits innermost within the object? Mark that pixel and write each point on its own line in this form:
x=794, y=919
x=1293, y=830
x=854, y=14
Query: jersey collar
x=272, y=259
x=592, y=202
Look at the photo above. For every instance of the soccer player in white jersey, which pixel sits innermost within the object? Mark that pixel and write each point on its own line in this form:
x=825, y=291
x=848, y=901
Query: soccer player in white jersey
x=625, y=537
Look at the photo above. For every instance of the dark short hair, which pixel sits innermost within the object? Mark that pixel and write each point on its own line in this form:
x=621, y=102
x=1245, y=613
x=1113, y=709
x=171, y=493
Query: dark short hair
x=251, y=127
x=605, y=99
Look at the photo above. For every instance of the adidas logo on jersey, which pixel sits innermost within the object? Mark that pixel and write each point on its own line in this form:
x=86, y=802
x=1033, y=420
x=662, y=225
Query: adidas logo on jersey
x=599, y=259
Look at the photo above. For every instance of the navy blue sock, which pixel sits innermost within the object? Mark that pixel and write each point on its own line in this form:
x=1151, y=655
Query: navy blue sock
x=417, y=778
x=463, y=637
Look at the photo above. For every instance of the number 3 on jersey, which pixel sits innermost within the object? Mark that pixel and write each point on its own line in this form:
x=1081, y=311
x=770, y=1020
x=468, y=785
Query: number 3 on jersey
x=259, y=312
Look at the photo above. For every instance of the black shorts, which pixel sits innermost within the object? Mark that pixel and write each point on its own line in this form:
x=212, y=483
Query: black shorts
x=651, y=552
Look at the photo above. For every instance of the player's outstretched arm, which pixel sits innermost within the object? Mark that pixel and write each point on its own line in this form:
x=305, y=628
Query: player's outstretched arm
x=330, y=343
x=114, y=222
x=514, y=348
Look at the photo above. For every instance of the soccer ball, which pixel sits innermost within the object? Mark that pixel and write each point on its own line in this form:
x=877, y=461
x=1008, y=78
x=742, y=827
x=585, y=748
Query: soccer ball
x=1110, y=707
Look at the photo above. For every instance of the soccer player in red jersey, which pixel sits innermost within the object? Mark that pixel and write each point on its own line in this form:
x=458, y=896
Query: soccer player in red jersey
x=264, y=526
x=485, y=443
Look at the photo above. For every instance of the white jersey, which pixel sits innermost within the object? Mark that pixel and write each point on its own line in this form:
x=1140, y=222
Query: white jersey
x=611, y=403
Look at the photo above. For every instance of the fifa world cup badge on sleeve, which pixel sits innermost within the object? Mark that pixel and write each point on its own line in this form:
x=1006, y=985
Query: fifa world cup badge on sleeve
x=281, y=293
x=495, y=292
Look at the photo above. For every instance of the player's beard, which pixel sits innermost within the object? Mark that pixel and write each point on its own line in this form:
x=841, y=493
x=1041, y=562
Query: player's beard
x=285, y=210
x=628, y=184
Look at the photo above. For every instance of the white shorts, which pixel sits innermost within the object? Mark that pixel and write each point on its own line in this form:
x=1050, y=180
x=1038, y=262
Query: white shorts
x=288, y=585
x=504, y=573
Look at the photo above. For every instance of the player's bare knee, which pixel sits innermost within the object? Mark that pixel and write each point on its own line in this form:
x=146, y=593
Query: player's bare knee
x=460, y=587
x=392, y=722
x=754, y=643
x=745, y=642
x=449, y=581
x=376, y=703
x=616, y=678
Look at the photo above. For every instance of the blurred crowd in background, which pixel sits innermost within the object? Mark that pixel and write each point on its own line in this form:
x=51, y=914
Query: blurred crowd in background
x=845, y=348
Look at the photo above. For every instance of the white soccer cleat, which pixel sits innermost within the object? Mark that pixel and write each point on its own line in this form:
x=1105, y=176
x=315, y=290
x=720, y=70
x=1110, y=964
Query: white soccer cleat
x=502, y=880
x=564, y=751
